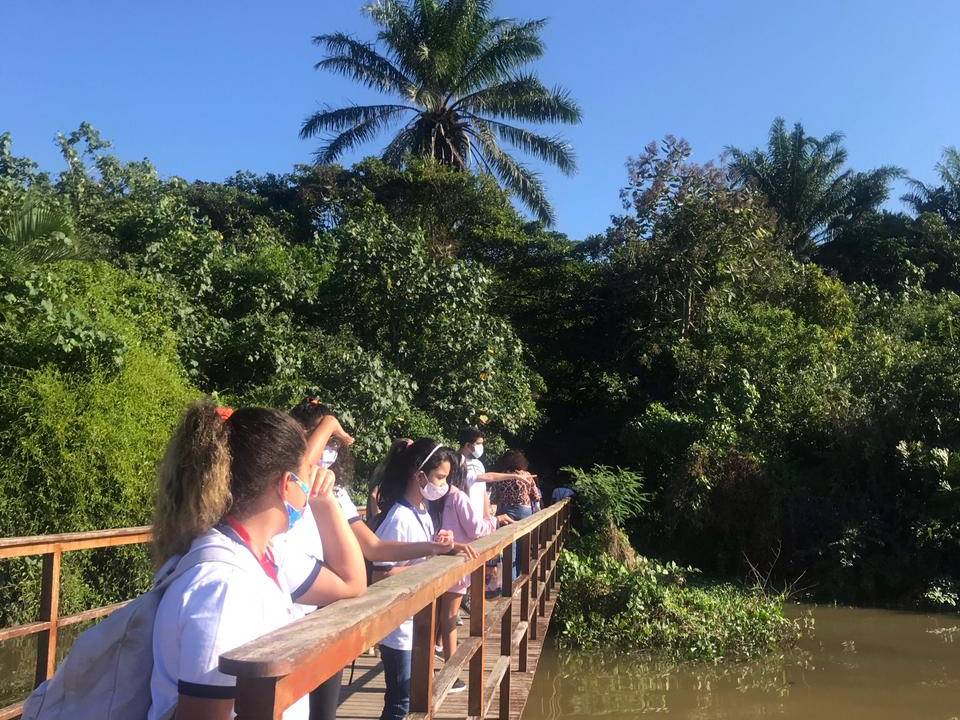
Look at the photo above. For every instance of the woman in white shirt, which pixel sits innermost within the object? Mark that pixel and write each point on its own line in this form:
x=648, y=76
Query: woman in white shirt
x=414, y=476
x=236, y=480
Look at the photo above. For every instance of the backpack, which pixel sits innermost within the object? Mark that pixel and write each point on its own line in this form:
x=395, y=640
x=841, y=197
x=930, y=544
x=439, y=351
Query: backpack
x=106, y=675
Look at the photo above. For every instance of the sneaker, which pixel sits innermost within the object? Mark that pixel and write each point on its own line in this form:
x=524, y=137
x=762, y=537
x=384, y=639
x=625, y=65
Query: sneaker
x=458, y=686
x=438, y=651
x=459, y=621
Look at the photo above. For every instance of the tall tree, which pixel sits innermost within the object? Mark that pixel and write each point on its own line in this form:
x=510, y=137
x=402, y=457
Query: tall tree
x=804, y=181
x=943, y=199
x=458, y=74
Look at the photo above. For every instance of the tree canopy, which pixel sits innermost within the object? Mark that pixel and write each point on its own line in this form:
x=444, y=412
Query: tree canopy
x=782, y=403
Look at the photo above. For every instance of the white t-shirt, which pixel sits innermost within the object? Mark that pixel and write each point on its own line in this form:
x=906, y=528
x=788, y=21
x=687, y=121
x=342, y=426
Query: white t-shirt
x=476, y=489
x=301, y=547
x=404, y=523
x=211, y=609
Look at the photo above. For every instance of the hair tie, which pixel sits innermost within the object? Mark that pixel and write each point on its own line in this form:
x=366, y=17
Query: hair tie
x=224, y=412
x=429, y=455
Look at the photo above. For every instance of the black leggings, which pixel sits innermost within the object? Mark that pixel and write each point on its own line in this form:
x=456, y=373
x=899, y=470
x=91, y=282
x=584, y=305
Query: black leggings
x=324, y=699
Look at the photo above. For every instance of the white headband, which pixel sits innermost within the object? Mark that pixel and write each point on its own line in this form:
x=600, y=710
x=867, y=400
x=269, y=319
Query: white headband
x=430, y=455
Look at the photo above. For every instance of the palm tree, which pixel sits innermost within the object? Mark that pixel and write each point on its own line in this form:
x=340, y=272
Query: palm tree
x=35, y=236
x=457, y=74
x=943, y=199
x=804, y=181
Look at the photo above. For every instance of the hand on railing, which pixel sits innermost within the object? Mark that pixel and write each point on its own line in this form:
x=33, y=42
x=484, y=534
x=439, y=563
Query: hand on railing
x=504, y=520
x=443, y=541
x=465, y=550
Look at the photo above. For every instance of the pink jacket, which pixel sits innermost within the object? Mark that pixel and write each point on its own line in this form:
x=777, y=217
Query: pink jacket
x=466, y=524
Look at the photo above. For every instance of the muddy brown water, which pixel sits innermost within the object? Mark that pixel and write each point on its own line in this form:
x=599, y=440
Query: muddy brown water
x=870, y=664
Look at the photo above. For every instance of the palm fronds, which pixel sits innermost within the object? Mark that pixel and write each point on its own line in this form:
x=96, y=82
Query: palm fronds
x=519, y=179
x=942, y=199
x=38, y=235
x=460, y=72
x=804, y=181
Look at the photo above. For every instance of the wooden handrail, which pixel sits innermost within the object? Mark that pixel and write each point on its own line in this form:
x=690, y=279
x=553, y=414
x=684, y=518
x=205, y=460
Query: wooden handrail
x=47, y=627
x=372, y=615
x=68, y=542
x=277, y=669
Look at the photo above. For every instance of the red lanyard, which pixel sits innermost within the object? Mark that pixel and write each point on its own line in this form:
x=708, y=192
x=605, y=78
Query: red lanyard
x=266, y=562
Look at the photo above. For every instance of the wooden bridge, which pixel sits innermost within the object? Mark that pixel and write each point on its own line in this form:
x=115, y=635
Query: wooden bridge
x=498, y=654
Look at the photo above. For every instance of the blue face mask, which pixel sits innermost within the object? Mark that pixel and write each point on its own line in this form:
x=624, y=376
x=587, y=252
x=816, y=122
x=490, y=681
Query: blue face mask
x=294, y=514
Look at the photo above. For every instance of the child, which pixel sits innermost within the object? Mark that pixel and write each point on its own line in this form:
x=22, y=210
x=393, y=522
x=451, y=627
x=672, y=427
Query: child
x=458, y=515
x=310, y=413
x=235, y=480
x=475, y=484
x=416, y=475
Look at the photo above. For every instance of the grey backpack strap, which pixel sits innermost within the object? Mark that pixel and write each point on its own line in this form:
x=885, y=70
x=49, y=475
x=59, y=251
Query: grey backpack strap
x=210, y=553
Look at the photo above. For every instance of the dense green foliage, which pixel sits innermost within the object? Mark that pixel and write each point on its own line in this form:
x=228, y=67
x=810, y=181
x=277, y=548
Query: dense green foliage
x=607, y=605
x=460, y=83
x=258, y=290
x=614, y=599
x=792, y=408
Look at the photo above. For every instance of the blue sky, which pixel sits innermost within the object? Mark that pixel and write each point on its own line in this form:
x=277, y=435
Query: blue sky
x=207, y=88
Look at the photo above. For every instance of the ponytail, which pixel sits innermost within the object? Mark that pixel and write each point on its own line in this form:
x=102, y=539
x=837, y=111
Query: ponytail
x=219, y=462
x=194, y=481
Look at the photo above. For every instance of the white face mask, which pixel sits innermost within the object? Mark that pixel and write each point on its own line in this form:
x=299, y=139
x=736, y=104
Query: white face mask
x=478, y=451
x=430, y=491
x=329, y=456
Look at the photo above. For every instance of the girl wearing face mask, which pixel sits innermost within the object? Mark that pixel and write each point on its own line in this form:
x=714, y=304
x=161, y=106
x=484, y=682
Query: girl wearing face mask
x=459, y=516
x=234, y=481
x=305, y=538
x=415, y=476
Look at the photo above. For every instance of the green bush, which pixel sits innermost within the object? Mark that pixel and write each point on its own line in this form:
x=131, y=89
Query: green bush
x=91, y=388
x=655, y=606
x=606, y=496
x=80, y=454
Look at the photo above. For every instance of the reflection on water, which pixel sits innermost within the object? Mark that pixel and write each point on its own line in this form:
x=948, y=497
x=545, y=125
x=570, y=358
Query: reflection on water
x=876, y=664
x=18, y=662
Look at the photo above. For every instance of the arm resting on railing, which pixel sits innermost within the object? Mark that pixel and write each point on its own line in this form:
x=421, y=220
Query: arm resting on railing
x=376, y=550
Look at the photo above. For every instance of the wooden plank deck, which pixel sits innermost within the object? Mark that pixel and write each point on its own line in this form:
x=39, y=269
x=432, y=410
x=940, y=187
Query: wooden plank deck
x=363, y=698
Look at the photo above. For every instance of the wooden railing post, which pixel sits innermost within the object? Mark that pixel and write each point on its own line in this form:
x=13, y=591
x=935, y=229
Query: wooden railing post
x=548, y=560
x=49, y=612
x=421, y=662
x=524, y=548
x=478, y=586
x=554, y=548
x=506, y=629
x=544, y=534
x=534, y=577
x=257, y=699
